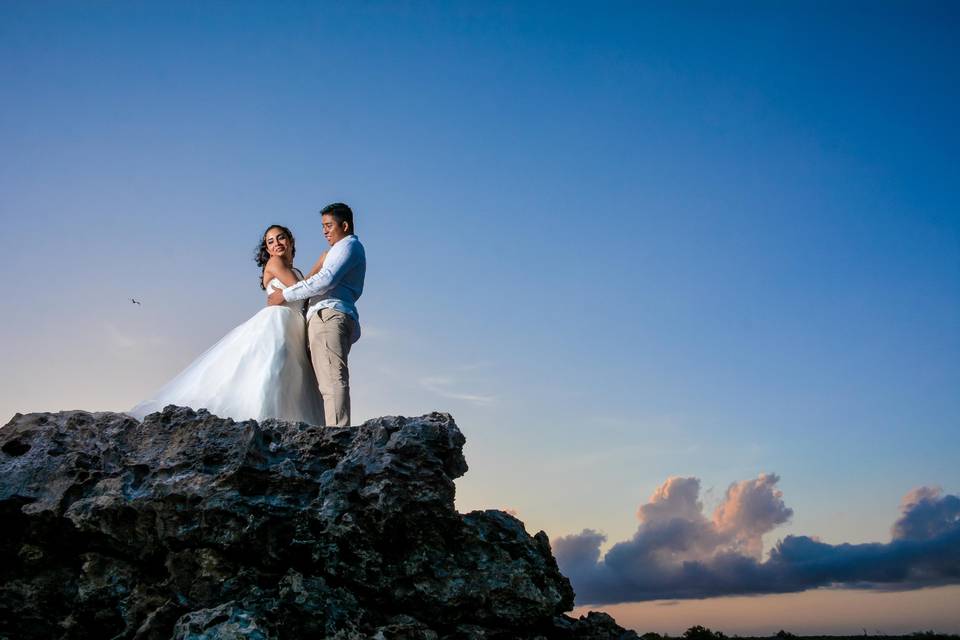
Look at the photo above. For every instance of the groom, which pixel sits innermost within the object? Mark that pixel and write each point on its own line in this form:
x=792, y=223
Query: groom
x=333, y=324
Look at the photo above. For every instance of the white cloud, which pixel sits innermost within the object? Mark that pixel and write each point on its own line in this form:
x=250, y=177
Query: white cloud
x=446, y=387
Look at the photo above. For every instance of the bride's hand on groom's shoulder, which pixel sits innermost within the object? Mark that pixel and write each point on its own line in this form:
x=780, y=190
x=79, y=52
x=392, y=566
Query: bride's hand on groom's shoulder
x=318, y=264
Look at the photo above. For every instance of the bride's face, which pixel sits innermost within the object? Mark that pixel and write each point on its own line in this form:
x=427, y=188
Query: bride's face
x=278, y=243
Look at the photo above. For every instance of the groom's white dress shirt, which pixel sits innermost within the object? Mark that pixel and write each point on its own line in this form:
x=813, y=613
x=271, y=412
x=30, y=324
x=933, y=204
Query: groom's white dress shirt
x=338, y=284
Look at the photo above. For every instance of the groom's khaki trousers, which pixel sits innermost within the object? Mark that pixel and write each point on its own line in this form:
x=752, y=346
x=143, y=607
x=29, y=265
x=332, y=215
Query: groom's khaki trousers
x=330, y=333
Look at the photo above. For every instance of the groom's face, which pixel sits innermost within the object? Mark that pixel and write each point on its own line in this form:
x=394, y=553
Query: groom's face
x=332, y=230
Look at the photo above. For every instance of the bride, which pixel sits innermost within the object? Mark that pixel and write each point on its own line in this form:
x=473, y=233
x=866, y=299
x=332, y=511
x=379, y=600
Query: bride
x=261, y=369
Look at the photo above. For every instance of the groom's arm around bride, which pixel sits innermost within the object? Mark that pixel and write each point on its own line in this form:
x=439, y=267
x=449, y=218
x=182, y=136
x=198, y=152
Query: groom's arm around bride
x=333, y=323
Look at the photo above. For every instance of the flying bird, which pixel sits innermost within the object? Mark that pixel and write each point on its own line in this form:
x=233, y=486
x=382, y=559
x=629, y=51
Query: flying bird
x=135, y=301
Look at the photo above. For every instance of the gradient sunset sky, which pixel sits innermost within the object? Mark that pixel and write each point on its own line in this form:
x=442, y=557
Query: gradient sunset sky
x=693, y=265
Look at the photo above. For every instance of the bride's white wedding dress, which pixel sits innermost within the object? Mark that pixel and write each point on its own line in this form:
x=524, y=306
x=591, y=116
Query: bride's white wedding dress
x=259, y=370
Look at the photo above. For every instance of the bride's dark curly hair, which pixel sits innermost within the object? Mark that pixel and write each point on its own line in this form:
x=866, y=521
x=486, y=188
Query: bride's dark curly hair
x=262, y=255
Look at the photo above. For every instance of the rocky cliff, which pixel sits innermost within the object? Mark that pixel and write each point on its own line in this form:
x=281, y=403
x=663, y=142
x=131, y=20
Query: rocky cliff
x=191, y=526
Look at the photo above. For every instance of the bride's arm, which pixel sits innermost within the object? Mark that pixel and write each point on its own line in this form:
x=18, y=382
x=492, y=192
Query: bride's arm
x=318, y=265
x=275, y=268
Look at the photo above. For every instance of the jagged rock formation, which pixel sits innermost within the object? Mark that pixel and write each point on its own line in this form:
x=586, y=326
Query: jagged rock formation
x=189, y=526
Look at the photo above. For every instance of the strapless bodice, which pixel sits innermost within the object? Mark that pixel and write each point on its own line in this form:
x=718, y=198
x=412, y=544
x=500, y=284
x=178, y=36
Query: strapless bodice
x=276, y=285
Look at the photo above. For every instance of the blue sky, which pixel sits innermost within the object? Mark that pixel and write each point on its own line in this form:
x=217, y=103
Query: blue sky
x=619, y=242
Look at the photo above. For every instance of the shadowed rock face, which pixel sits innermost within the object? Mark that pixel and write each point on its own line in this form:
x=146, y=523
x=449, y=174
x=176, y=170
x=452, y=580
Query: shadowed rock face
x=192, y=526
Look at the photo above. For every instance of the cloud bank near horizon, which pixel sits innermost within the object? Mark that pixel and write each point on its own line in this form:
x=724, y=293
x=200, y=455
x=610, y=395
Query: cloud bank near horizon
x=678, y=552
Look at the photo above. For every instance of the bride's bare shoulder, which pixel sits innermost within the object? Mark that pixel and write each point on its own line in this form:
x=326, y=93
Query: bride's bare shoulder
x=277, y=268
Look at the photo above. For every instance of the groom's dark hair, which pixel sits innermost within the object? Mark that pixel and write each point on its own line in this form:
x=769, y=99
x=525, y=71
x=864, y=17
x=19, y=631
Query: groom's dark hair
x=341, y=213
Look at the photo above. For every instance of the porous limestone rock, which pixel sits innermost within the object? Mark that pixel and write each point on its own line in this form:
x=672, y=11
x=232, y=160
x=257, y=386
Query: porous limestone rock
x=188, y=526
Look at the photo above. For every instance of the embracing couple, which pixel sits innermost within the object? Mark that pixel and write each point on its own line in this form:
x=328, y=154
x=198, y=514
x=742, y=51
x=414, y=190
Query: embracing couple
x=276, y=365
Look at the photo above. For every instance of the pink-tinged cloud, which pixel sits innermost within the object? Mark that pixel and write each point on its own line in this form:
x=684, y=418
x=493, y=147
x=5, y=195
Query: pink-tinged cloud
x=750, y=509
x=926, y=514
x=677, y=552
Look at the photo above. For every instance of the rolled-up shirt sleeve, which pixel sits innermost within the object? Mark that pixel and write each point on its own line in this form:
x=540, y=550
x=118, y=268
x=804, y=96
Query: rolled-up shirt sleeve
x=338, y=262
